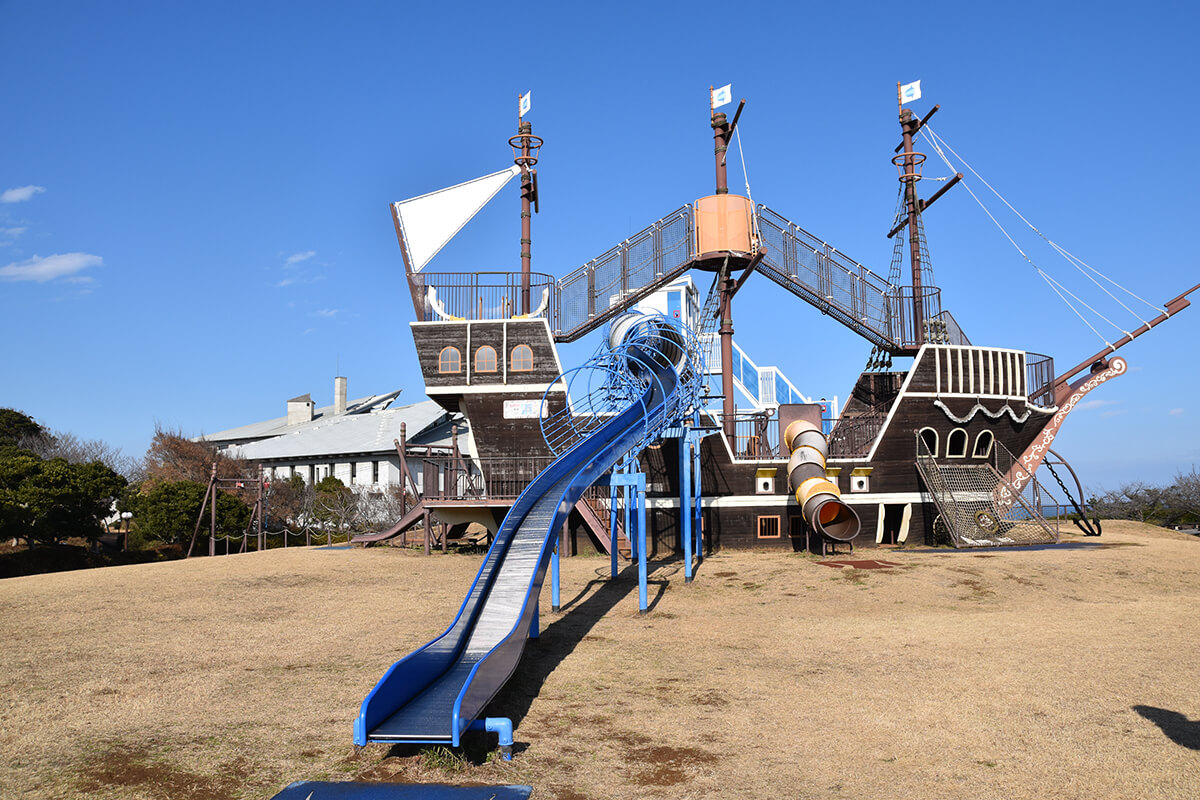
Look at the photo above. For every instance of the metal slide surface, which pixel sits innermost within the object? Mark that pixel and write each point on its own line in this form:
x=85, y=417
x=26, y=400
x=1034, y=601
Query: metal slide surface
x=435, y=693
x=414, y=515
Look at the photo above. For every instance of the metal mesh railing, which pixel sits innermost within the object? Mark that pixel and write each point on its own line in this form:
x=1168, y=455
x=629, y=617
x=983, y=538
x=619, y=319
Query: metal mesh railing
x=841, y=287
x=970, y=514
x=756, y=437
x=481, y=478
x=606, y=285
x=853, y=435
x=483, y=295
x=1039, y=379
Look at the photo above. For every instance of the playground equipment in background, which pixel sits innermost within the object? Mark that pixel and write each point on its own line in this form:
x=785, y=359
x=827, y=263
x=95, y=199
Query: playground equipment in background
x=819, y=498
x=235, y=483
x=644, y=381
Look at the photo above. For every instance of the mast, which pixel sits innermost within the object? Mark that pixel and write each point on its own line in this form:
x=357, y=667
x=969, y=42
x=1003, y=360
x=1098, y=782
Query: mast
x=908, y=162
x=909, y=175
x=721, y=133
x=525, y=149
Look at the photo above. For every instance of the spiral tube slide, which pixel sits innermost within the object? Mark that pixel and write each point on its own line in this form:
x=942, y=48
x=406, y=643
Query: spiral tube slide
x=819, y=498
x=435, y=693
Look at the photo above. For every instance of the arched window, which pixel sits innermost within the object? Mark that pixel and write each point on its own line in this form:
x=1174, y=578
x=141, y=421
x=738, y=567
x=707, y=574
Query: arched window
x=930, y=438
x=485, y=359
x=983, y=444
x=522, y=358
x=956, y=443
x=450, y=360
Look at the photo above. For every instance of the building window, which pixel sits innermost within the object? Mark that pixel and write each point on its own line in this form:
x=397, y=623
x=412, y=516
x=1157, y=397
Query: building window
x=353, y=471
x=983, y=444
x=374, y=472
x=522, y=358
x=930, y=439
x=312, y=474
x=450, y=360
x=485, y=359
x=956, y=443
x=768, y=527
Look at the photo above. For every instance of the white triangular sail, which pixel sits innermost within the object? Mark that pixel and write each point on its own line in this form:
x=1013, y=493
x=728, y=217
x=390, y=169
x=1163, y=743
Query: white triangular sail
x=428, y=222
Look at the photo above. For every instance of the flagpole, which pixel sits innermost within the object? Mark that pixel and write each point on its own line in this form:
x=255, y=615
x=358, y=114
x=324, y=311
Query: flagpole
x=899, y=99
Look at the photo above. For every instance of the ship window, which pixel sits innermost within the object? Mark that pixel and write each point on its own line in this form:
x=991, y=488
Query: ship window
x=768, y=527
x=522, y=358
x=485, y=359
x=983, y=444
x=930, y=438
x=450, y=360
x=956, y=443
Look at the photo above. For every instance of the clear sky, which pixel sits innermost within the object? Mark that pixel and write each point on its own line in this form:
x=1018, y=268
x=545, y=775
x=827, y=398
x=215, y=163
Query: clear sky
x=194, y=219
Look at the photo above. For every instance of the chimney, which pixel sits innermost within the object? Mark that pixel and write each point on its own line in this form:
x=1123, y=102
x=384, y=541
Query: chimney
x=300, y=410
x=339, y=395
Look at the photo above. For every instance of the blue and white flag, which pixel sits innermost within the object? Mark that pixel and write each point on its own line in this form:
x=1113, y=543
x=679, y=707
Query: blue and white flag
x=523, y=106
x=910, y=92
x=722, y=96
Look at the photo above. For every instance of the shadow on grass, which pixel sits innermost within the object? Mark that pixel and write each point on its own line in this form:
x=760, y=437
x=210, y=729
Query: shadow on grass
x=578, y=616
x=556, y=641
x=1175, y=726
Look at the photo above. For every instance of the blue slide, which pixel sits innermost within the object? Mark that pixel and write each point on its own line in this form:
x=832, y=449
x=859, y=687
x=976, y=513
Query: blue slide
x=435, y=693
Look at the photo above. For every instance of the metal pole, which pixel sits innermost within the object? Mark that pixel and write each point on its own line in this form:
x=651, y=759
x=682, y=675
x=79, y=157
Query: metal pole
x=698, y=521
x=728, y=407
x=612, y=526
x=554, y=580
x=909, y=124
x=720, y=149
x=212, y=513
x=685, y=503
x=643, y=604
x=262, y=536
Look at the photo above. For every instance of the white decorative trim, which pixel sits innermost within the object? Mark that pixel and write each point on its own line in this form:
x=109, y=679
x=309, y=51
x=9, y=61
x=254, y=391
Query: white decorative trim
x=782, y=500
x=978, y=407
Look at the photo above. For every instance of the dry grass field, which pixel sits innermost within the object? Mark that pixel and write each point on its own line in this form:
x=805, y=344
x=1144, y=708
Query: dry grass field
x=1064, y=673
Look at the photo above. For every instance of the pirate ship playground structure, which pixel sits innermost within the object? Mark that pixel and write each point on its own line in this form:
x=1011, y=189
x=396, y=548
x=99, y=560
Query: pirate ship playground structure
x=644, y=448
x=947, y=450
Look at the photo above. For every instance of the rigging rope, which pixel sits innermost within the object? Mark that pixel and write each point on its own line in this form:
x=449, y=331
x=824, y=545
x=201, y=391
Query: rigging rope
x=938, y=142
x=1055, y=285
x=737, y=134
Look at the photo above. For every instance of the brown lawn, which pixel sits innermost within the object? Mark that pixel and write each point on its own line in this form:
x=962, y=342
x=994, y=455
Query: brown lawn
x=1071, y=673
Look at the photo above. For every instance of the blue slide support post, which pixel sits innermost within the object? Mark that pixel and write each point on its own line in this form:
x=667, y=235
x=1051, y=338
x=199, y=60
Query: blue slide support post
x=640, y=488
x=612, y=528
x=554, y=579
x=502, y=727
x=685, y=502
x=694, y=439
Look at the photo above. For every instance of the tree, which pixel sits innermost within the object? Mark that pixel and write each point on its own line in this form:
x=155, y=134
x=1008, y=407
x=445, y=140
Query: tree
x=174, y=457
x=15, y=426
x=286, y=503
x=167, y=511
x=1184, y=496
x=51, y=500
x=335, y=505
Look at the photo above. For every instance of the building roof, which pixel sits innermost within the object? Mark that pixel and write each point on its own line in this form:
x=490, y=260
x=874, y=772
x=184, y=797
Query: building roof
x=371, y=431
x=279, y=425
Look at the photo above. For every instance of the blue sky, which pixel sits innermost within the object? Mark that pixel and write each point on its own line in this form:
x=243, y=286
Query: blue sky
x=194, y=219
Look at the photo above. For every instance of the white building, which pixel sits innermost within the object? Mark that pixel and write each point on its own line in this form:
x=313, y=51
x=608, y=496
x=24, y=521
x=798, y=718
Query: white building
x=352, y=440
